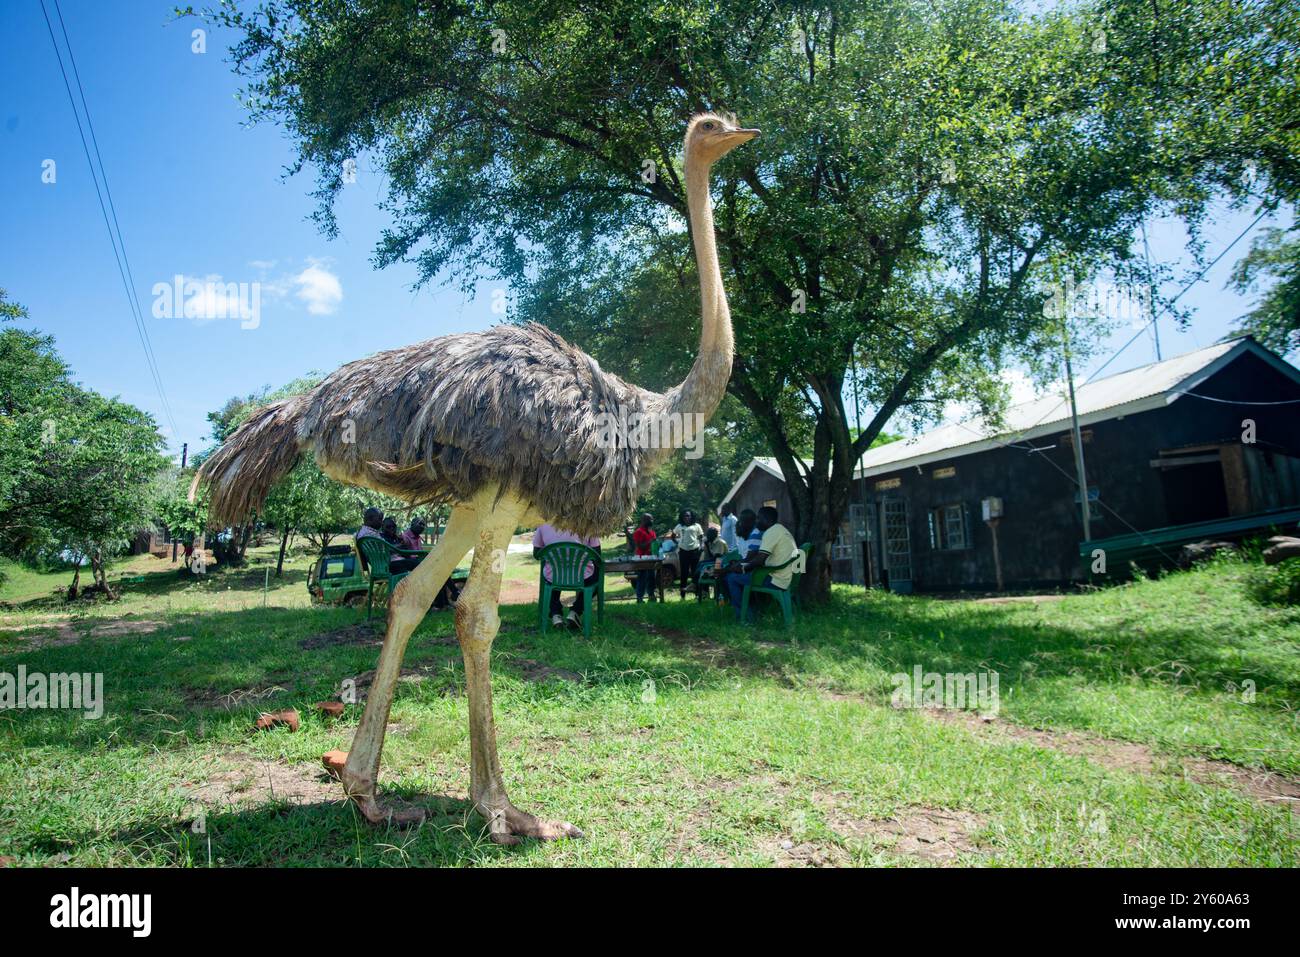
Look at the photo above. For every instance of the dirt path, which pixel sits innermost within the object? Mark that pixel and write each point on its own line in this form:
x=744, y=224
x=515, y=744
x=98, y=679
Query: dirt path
x=1267, y=787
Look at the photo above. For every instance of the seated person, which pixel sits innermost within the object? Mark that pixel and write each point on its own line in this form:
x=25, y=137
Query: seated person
x=413, y=537
x=413, y=540
x=548, y=535
x=776, y=547
x=711, y=554
x=750, y=538
x=371, y=522
x=388, y=531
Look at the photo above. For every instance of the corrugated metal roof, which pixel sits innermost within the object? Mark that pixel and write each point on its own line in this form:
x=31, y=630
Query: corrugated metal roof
x=1137, y=389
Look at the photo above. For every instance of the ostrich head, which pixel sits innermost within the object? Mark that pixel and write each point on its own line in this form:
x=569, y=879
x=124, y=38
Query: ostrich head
x=711, y=136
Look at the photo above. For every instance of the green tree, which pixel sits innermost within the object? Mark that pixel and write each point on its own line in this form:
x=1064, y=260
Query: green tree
x=887, y=241
x=1275, y=320
x=77, y=470
x=101, y=469
x=1221, y=76
x=184, y=520
x=36, y=395
x=310, y=503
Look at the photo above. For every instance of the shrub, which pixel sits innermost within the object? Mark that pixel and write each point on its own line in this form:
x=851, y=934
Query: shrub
x=1278, y=585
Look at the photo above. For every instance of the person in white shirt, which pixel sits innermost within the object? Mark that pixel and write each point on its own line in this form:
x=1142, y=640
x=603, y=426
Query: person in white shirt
x=776, y=548
x=728, y=533
x=689, y=536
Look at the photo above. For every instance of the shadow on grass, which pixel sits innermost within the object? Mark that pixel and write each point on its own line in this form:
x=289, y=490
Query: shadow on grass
x=310, y=834
x=160, y=584
x=231, y=665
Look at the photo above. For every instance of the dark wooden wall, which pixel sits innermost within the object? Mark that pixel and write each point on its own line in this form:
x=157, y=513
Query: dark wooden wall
x=1042, y=527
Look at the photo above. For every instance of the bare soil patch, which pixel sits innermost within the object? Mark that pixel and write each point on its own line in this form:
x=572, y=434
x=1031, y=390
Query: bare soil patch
x=362, y=633
x=229, y=700
x=937, y=836
x=519, y=593
x=931, y=834
x=537, y=671
x=244, y=779
x=58, y=633
x=1266, y=786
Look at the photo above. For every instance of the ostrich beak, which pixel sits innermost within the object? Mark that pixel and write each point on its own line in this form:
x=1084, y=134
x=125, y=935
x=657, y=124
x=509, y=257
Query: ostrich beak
x=742, y=135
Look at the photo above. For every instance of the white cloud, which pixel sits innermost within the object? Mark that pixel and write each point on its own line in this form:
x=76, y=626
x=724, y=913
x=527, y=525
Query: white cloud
x=262, y=265
x=319, y=288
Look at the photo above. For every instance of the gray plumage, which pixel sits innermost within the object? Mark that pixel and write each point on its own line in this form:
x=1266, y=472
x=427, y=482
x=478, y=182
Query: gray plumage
x=440, y=420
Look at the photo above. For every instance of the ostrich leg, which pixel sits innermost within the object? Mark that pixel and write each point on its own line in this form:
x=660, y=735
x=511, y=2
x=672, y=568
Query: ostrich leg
x=406, y=609
x=476, y=626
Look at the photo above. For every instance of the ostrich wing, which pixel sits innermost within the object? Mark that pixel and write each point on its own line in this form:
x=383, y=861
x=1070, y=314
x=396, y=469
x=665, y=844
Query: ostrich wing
x=514, y=405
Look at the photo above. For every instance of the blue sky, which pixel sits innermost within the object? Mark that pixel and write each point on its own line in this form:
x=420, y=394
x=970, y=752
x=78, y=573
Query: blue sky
x=198, y=193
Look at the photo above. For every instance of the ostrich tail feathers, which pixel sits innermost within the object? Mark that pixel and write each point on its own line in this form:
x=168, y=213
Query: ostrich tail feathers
x=241, y=473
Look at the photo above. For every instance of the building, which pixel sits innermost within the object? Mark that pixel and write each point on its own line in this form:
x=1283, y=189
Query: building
x=1203, y=445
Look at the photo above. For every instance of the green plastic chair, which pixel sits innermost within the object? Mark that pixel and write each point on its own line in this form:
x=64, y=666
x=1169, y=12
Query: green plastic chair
x=376, y=552
x=568, y=563
x=787, y=598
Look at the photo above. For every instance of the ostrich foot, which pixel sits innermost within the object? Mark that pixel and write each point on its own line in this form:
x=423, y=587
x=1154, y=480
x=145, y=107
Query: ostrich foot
x=362, y=795
x=509, y=825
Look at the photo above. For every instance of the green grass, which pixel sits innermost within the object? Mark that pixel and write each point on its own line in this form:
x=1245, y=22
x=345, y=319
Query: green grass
x=753, y=739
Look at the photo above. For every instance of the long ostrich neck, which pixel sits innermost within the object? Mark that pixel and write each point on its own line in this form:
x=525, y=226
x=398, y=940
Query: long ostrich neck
x=704, y=386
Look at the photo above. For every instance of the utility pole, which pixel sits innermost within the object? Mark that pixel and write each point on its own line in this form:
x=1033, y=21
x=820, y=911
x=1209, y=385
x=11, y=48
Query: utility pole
x=1151, y=291
x=1084, y=505
x=185, y=449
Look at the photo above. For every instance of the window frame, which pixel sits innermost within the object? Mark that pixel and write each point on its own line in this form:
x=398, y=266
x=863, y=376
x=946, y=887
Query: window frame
x=943, y=520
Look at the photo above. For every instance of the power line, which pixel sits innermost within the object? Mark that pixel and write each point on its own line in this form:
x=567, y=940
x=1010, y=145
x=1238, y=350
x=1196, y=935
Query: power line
x=1154, y=317
x=115, y=238
x=94, y=140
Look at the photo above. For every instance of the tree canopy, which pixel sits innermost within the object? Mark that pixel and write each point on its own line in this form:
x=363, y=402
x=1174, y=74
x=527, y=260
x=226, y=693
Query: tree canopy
x=77, y=469
x=928, y=170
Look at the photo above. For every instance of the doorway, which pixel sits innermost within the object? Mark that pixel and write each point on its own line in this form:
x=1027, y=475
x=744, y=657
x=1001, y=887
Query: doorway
x=1194, y=490
x=898, y=545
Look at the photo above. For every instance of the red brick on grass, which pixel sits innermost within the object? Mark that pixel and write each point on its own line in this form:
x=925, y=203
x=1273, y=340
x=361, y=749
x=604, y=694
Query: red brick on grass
x=275, y=719
x=334, y=761
x=330, y=709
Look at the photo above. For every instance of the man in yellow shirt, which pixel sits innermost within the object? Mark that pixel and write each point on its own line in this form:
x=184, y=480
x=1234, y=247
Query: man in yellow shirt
x=776, y=548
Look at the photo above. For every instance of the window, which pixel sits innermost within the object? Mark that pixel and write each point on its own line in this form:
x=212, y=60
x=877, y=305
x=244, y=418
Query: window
x=949, y=528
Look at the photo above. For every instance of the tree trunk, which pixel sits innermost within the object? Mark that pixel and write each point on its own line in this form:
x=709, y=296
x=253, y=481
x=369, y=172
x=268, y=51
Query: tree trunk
x=99, y=571
x=284, y=543
x=244, y=540
x=75, y=588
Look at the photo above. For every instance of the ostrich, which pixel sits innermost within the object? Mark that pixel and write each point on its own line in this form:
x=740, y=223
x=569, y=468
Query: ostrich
x=505, y=425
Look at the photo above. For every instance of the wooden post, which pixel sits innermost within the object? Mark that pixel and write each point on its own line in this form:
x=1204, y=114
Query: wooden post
x=997, y=555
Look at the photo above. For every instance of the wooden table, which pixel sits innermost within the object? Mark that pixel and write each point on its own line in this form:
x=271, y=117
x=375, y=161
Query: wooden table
x=622, y=566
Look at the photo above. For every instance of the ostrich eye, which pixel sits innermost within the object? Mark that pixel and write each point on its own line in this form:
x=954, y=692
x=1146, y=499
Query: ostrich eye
x=709, y=125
